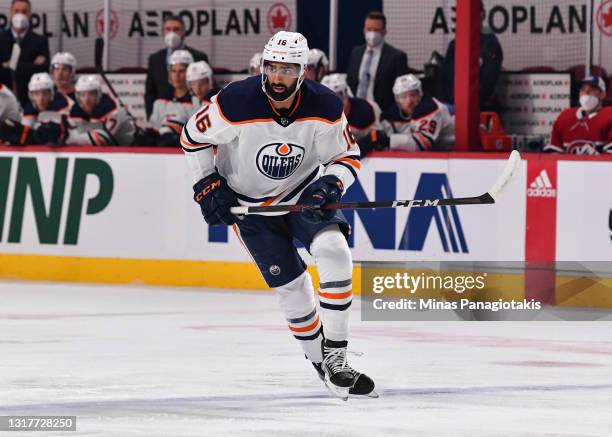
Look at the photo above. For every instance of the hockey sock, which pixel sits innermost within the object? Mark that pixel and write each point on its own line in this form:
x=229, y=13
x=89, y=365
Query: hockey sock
x=298, y=304
x=335, y=266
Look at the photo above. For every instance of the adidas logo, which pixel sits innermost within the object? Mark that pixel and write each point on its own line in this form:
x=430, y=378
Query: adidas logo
x=541, y=186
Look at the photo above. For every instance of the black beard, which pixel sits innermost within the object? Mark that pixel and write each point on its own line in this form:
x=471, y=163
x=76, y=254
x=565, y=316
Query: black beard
x=279, y=97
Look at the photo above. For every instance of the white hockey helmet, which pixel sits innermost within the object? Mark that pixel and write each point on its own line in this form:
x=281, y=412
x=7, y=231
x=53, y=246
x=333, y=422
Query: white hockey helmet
x=89, y=82
x=40, y=82
x=199, y=70
x=407, y=82
x=317, y=57
x=336, y=82
x=64, y=58
x=180, y=57
x=255, y=62
x=288, y=47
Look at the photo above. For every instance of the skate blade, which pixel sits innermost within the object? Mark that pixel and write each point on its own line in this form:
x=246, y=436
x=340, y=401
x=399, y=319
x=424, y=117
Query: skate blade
x=372, y=394
x=339, y=392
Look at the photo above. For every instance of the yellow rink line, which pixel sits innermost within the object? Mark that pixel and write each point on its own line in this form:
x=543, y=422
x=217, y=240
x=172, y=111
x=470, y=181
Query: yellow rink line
x=570, y=291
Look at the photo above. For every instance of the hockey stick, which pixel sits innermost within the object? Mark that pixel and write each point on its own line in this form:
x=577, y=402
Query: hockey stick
x=489, y=197
x=99, y=49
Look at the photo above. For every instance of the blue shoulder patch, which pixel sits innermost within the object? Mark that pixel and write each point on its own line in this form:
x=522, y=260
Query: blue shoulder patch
x=30, y=110
x=362, y=113
x=319, y=101
x=393, y=114
x=244, y=100
x=426, y=107
x=169, y=95
x=106, y=105
x=58, y=103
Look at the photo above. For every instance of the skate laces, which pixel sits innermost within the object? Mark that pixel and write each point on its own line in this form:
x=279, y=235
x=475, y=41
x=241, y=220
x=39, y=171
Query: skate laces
x=335, y=360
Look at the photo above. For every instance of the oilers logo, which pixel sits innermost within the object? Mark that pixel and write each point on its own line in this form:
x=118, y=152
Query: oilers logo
x=279, y=160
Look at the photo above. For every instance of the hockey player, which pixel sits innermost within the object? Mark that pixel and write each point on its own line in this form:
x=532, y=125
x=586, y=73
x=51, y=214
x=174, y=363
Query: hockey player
x=41, y=122
x=9, y=107
x=280, y=141
x=63, y=70
x=416, y=122
x=586, y=130
x=171, y=111
x=96, y=119
x=45, y=104
x=255, y=64
x=318, y=65
x=10, y=114
x=362, y=115
x=200, y=82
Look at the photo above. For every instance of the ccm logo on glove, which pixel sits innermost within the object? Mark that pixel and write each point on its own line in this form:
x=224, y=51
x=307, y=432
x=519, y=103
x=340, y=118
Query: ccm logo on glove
x=199, y=196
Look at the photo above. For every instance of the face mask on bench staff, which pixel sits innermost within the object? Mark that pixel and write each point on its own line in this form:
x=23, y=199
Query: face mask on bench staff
x=20, y=22
x=172, y=40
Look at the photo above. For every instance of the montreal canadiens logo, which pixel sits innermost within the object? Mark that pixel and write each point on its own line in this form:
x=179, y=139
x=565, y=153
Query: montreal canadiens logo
x=279, y=160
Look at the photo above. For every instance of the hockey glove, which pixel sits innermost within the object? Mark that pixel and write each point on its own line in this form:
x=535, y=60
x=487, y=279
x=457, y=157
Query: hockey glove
x=215, y=198
x=375, y=140
x=327, y=189
x=168, y=139
x=13, y=132
x=145, y=137
x=50, y=133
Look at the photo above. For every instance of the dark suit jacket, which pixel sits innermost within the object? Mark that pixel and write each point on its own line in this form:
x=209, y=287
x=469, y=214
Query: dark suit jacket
x=492, y=58
x=157, y=76
x=32, y=46
x=393, y=63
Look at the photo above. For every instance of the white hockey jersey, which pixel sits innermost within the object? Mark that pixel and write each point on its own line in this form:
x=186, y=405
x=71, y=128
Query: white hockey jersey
x=268, y=157
x=9, y=107
x=108, y=125
x=171, y=113
x=430, y=127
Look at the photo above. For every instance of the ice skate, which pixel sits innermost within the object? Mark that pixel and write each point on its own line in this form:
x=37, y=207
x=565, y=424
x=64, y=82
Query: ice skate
x=340, y=378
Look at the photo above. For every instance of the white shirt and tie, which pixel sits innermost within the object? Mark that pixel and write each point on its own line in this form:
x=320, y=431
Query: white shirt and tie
x=367, y=72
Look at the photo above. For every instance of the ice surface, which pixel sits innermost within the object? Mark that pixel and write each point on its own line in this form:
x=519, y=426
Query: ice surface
x=149, y=361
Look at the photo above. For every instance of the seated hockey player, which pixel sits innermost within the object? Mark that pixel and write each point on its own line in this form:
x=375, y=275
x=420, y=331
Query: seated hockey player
x=318, y=65
x=200, y=82
x=171, y=111
x=41, y=122
x=63, y=72
x=96, y=119
x=283, y=140
x=586, y=130
x=255, y=64
x=416, y=122
x=45, y=104
x=362, y=115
